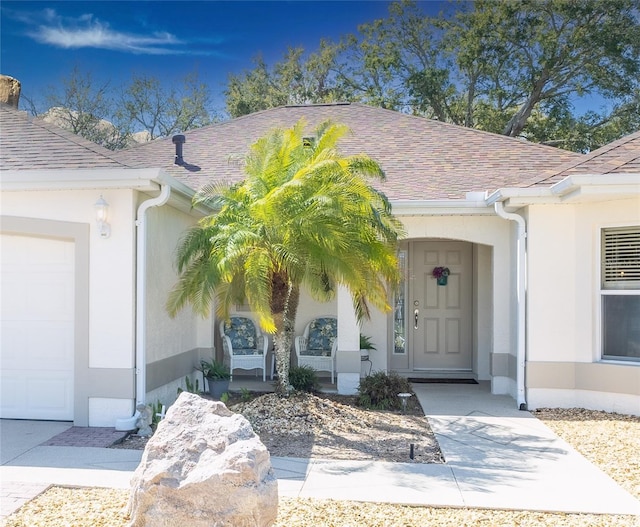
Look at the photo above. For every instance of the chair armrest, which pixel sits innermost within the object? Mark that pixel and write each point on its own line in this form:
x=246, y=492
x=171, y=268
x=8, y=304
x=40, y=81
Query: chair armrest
x=226, y=345
x=334, y=347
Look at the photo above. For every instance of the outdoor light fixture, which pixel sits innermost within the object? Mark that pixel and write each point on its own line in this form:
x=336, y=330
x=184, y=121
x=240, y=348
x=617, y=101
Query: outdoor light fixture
x=102, y=210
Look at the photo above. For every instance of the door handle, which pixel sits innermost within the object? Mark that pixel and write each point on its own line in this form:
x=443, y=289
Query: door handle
x=415, y=319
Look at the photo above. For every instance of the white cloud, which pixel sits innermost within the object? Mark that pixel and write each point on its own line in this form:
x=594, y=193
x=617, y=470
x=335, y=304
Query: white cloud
x=97, y=35
x=86, y=31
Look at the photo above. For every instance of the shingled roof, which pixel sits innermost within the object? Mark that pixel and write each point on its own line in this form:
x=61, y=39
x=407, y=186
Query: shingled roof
x=423, y=159
x=620, y=157
x=30, y=144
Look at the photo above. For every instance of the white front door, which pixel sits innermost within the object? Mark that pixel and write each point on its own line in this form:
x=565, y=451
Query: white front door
x=37, y=316
x=441, y=315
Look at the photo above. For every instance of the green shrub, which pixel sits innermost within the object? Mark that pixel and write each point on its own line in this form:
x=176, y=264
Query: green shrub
x=380, y=391
x=304, y=379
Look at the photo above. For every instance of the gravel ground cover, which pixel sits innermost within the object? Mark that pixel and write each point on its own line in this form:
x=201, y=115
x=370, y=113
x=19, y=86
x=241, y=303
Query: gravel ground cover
x=610, y=441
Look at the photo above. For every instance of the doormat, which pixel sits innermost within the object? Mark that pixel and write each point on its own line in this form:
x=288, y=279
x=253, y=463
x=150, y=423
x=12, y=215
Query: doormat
x=442, y=381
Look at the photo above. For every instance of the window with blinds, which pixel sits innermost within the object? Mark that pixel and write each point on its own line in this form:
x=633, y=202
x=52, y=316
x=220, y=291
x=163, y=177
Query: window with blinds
x=621, y=258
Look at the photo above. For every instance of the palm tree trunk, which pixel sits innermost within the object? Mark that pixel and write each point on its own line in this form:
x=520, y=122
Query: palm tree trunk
x=285, y=306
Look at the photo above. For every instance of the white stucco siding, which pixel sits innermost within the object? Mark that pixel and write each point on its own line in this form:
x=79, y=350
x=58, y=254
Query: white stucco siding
x=111, y=270
x=168, y=336
x=553, y=271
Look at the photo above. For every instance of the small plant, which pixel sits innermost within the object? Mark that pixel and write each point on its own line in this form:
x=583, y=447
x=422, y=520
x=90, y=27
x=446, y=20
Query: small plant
x=156, y=410
x=191, y=387
x=304, y=379
x=245, y=395
x=213, y=369
x=380, y=391
x=365, y=343
x=224, y=397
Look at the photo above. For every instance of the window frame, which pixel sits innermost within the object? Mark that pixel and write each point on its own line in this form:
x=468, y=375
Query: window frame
x=612, y=288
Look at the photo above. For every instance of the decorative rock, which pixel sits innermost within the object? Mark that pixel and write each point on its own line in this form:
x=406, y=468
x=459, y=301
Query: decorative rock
x=204, y=466
x=9, y=90
x=144, y=420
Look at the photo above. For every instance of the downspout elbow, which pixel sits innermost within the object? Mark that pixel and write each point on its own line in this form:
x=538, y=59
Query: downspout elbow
x=521, y=300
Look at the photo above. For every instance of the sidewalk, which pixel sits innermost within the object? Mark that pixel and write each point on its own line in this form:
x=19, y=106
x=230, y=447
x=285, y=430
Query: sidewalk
x=496, y=457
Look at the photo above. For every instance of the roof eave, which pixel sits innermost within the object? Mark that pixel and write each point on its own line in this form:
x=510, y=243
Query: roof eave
x=571, y=189
x=474, y=205
x=80, y=179
x=148, y=180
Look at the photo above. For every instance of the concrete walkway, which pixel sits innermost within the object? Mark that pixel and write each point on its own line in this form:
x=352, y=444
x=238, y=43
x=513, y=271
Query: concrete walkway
x=496, y=457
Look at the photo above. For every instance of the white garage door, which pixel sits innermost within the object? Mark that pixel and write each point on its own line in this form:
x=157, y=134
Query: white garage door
x=37, y=315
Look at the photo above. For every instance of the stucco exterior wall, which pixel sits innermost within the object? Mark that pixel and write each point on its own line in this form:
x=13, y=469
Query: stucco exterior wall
x=174, y=345
x=564, y=366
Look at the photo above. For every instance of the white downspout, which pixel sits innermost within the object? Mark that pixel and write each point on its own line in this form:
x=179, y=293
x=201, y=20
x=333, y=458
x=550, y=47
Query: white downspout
x=141, y=289
x=521, y=299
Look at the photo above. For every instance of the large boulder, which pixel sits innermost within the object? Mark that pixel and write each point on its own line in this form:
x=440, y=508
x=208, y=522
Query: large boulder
x=9, y=90
x=204, y=466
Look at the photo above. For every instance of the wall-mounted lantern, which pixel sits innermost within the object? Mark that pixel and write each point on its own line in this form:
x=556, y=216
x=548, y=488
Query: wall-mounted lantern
x=102, y=215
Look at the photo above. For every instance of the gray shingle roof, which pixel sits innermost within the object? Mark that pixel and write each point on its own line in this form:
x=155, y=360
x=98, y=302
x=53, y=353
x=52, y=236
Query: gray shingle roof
x=422, y=158
x=30, y=144
x=620, y=157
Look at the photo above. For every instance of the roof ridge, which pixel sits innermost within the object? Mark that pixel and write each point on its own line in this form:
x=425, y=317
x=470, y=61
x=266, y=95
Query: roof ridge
x=396, y=113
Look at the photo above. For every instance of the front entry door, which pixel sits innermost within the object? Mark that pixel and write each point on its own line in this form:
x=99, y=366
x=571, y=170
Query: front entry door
x=441, y=315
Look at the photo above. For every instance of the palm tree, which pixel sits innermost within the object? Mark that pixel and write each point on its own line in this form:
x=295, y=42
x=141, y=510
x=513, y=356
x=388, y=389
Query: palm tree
x=303, y=217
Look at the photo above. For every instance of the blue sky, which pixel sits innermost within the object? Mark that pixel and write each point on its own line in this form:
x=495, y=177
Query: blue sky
x=43, y=41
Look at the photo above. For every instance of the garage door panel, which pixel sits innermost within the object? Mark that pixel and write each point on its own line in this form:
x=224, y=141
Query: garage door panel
x=49, y=345
x=12, y=392
x=37, y=353
x=48, y=393
x=41, y=343
x=49, y=298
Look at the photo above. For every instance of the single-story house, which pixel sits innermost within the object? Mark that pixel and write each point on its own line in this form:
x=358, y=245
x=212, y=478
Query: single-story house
x=543, y=245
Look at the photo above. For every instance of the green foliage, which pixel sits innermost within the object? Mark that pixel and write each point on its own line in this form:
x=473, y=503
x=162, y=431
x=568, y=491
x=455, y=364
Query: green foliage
x=224, y=397
x=213, y=369
x=304, y=379
x=156, y=409
x=191, y=387
x=290, y=81
x=245, y=395
x=365, y=343
x=380, y=391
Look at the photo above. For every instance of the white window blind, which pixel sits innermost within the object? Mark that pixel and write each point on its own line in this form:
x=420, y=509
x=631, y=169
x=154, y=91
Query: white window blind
x=621, y=258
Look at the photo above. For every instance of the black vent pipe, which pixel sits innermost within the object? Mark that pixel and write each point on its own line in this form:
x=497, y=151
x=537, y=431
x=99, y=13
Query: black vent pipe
x=179, y=140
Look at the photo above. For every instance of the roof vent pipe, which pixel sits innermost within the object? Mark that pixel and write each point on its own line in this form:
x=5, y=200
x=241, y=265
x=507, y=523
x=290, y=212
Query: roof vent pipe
x=179, y=140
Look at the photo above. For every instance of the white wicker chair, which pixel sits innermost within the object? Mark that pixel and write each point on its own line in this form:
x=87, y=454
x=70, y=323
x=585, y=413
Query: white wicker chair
x=316, y=347
x=244, y=345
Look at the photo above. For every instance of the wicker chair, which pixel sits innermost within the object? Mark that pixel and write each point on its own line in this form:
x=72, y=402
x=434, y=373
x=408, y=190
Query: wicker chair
x=244, y=345
x=316, y=347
